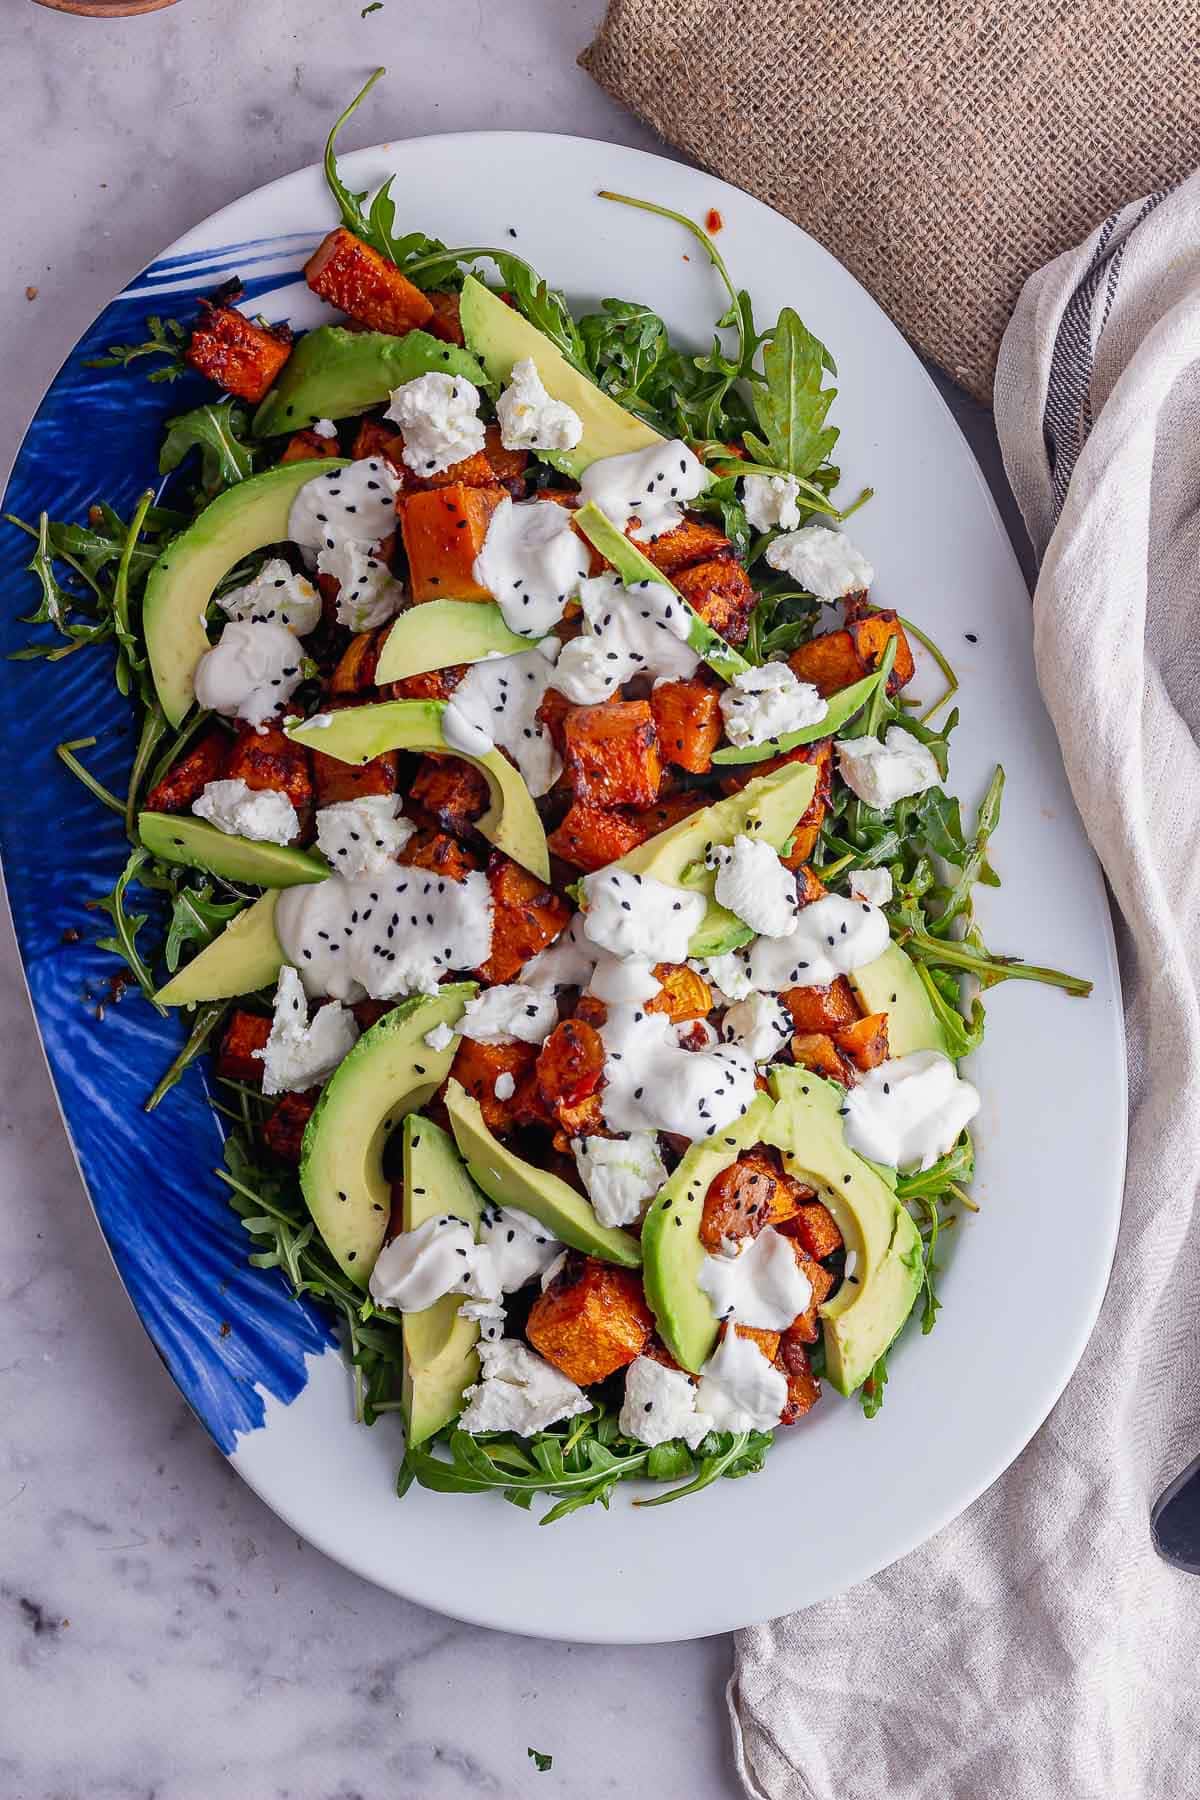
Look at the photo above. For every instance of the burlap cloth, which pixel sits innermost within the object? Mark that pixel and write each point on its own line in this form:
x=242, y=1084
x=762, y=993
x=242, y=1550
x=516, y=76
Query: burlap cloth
x=942, y=149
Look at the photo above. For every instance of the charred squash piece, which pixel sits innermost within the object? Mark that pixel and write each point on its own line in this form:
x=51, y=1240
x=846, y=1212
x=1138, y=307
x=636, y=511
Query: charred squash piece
x=359, y=281
x=570, y=1065
x=805, y=1328
x=684, y=994
x=865, y=1042
x=526, y=916
x=355, y=671
x=376, y=437
x=804, y=1390
x=815, y=1050
x=687, y=717
x=441, y=853
x=591, y=1321
x=590, y=836
x=308, y=446
x=611, y=753
x=871, y=635
x=815, y=1229
x=245, y=1033
x=204, y=762
x=334, y=780
x=284, y=1130
x=240, y=356
x=822, y=1008
x=480, y=1066
x=269, y=759
x=443, y=531
x=830, y=662
x=453, y=792
x=692, y=541
x=739, y=1200
x=721, y=592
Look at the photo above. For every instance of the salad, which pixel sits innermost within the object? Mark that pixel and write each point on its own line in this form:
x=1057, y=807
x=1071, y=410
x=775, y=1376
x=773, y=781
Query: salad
x=551, y=841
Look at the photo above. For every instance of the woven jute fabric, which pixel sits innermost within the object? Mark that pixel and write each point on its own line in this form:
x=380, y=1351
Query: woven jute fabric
x=942, y=149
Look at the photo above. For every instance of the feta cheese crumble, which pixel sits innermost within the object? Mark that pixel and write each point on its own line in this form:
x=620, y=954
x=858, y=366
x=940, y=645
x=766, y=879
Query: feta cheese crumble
x=833, y=936
x=250, y=672
x=439, y=1257
x=621, y=1175
x=368, y=593
x=909, y=1110
x=529, y=418
x=261, y=814
x=822, y=562
x=299, y=1055
x=440, y=1038
x=637, y=915
x=880, y=773
x=726, y=975
x=324, y=428
x=495, y=706
x=650, y=486
x=520, y=1392
x=762, y=1286
x=639, y=630
x=363, y=836
x=660, y=1405
x=739, y=1389
x=438, y=416
x=356, y=503
x=759, y=1025
x=276, y=596
x=770, y=501
x=768, y=702
x=504, y=1086
x=509, y=1014
x=755, y=886
x=532, y=563
x=872, y=885
x=519, y=1245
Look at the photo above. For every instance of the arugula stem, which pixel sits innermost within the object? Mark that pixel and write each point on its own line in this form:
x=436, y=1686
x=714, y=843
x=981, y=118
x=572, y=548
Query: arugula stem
x=939, y=658
x=207, y=1019
x=331, y=174
x=950, y=954
x=701, y=236
x=120, y=600
x=710, y=1469
x=154, y=725
x=105, y=796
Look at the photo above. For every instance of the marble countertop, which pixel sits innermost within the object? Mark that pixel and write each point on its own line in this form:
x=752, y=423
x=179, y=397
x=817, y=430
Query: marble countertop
x=162, y=1635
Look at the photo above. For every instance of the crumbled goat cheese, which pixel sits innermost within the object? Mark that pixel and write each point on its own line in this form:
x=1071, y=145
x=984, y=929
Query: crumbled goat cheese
x=823, y=562
x=637, y=915
x=833, y=936
x=639, y=630
x=489, y=1315
x=276, y=596
x=763, y=1286
x=649, y=486
x=909, y=1110
x=509, y=1014
x=739, y=1389
x=250, y=672
x=520, y=1392
x=368, y=594
x=438, y=416
x=495, y=706
x=770, y=500
x=532, y=563
x=660, y=1405
x=504, y=1086
x=363, y=836
x=263, y=814
x=881, y=773
x=768, y=702
x=355, y=504
x=324, y=428
x=440, y=1038
x=755, y=886
x=299, y=1055
x=726, y=975
x=621, y=1175
x=529, y=418
x=872, y=885
x=439, y=1257
x=759, y=1025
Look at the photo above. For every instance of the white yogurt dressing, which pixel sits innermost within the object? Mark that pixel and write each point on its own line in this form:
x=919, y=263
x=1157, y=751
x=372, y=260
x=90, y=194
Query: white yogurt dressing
x=637, y=915
x=276, y=596
x=494, y=707
x=357, y=503
x=439, y=1257
x=529, y=419
x=882, y=772
x=250, y=672
x=262, y=814
x=759, y=1025
x=909, y=1110
x=660, y=1405
x=639, y=630
x=520, y=1247
x=438, y=416
x=568, y=962
x=363, y=836
x=651, y=486
x=653, y=1084
x=739, y=1389
x=762, y=1285
x=833, y=936
x=823, y=562
x=621, y=1175
x=767, y=702
x=532, y=562
x=368, y=593
x=299, y=1055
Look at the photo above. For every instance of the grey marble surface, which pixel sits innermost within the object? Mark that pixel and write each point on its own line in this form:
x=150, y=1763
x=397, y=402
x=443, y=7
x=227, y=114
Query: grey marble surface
x=161, y=1633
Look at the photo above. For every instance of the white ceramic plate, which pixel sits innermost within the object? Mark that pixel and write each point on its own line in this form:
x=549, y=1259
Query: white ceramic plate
x=1026, y=1276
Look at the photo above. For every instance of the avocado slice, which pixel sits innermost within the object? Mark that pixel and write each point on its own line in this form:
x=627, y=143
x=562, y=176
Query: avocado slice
x=243, y=959
x=358, y=733
x=438, y=633
x=841, y=707
x=179, y=588
x=892, y=984
x=390, y=1072
x=671, y=1243
x=864, y=1315
x=334, y=373
x=766, y=809
x=632, y=566
x=501, y=336
x=508, y=1180
x=198, y=845
x=439, y=1347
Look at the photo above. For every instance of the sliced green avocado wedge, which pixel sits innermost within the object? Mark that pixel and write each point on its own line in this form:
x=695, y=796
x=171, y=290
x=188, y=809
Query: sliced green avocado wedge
x=766, y=809
x=358, y=733
x=390, y=1072
x=508, y=1180
x=632, y=567
x=179, y=588
x=439, y=1347
x=839, y=710
x=334, y=373
x=671, y=1247
x=891, y=984
x=865, y=1314
x=199, y=845
x=245, y=957
x=501, y=336
x=439, y=633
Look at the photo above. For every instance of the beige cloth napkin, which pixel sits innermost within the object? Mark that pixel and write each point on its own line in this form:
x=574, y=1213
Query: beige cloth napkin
x=1037, y=1649
x=942, y=149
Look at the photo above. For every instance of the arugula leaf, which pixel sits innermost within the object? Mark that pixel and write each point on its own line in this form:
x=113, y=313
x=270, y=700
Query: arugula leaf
x=133, y=663
x=166, y=337
x=123, y=942
x=974, y=863
x=624, y=344
x=791, y=405
x=196, y=918
x=870, y=1394
x=65, y=754
x=204, y=1023
x=214, y=430
x=540, y=1760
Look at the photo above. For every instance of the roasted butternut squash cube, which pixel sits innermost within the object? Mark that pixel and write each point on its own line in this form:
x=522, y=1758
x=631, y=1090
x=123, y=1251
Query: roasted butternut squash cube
x=805, y=1326
x=552, y=711
x=509, y=466
x=526, y=916
x=269, y=759
x=591, y=836
x=687, y=717
x=804, y=1390
x=584, y=1119
x=444, y=321
x=816, y=1050
x=204, y=762
x=815, y=1228
x=474, y=471
x=591, y=1321
x=240, y=356
x=308, y=446
x=865, y=1042
x=441, y=853
x=284, y=1129
x=334, y=780
x=683, y=995
x=434, y=684
x=767, y=1341
x=570, y=1065
x=738, y=1202
x=809, y=886
x=871, y=634
x=245, y=1033
x=720, y=591
x=360, y=282
x=452, y=791
x=822, y=1008
x=668, y=810
x=692, y=541
x=611, y=753
x=355, y=670
x=375, y=437
x=443, y=531
x=480, y=1066
x=830, y=662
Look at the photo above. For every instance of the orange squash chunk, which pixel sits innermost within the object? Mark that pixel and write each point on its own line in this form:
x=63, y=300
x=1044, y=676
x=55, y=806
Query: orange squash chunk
x=308, y=446
x=444, y=321
x=355, y=671
x=871, y=635
x=441, y=853
x=805, y=1326
x=687, y=717
x=570, y=1065
x=245, y=1033
x=865, y=1042
x=611, y=753
x=375, y=437
x=804, y=1390
x=269, y=759
x=443, y=530
x=721, y=592
x=359, y=281
x=815, y=1228
x=334, y=780
x=815, y=1050
x=692, y=541
x=480, y=1066
x=204, y=762
x=590, y=836
x=454, y=792
x=240, y=356
x=822, y=1008
x=830, y=662
x=683, y=995
x=767, y=1341
x=591, y=1321
x=526, y=916
x=284, y=1130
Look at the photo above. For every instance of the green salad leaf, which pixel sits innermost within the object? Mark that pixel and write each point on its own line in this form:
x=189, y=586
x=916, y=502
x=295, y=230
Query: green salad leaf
x=791, y=403
x=539, y=1759
x=218, y=431
x=164, y=337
